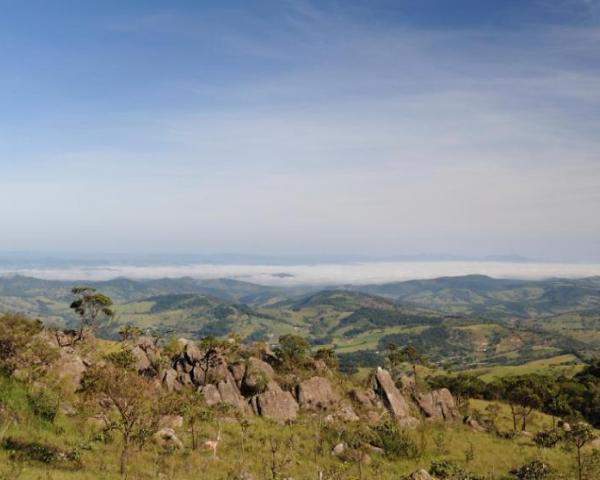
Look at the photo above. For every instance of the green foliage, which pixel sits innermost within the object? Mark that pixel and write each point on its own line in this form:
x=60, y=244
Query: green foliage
x=447, y=470
x=534, y=470
x=293, y=350
x=130, y=332
x=328, y=356
x=440, y=342
x=31, y=451
x=123, y=358
x=547, y=438
x=44, y=403
x=396, y=442
x=91, y=307
x=16, y=332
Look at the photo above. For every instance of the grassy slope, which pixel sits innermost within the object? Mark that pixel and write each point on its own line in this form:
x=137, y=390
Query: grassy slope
x=491, y=454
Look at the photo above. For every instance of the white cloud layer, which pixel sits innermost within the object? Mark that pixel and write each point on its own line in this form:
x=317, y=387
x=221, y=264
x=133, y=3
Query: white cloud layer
x=320, y=274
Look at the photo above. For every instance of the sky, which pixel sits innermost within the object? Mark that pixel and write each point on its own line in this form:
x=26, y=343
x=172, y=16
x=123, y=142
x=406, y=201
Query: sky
x=379, y=128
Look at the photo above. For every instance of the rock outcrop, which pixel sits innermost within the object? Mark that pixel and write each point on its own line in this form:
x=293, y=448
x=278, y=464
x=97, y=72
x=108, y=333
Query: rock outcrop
x=275, y=404
x=147, y=356
x=166, y=438
x=251, y=386
x=437, y=405
x=317, y=394
x=391, y=396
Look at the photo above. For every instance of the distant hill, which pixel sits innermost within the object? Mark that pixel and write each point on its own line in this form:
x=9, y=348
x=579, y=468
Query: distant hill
x=494, y=298
x=472, y=320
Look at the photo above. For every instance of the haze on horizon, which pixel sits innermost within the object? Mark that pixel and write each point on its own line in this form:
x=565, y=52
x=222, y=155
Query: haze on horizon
x=374, y=128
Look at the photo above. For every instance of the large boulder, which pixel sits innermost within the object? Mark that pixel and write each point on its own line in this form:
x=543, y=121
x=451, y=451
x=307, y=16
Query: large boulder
x=437, y=405
x=238, y=370
x=170, y=421
x=192, y=353
x=143, y=363
x=230, y=394
x=166, y=438
x=70, y=367
x=275, y=404
x=317, y=393
x=169, y=380
x=420, y=474
x=211, y=394
x=391, y=396
x=257, y=376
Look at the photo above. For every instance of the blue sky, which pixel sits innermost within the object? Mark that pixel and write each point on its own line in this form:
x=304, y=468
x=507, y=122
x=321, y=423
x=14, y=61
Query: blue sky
x=297, y=127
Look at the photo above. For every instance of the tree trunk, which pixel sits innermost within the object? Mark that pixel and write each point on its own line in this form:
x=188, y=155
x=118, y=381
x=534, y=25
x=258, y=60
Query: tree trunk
x=194, y=440
x=514, y=417
x=124, y=458
x=579, y=463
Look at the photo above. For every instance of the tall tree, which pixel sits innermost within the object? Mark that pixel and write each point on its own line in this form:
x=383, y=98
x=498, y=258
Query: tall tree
x=579, y=435
x=131, y=410
x=91, y=307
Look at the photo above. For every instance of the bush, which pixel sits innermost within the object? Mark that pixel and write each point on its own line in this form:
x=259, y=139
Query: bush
x=34, y=451
x=547, y=439
x=395, y=442
x=44, y=403
x=446, y=470
x=535, y=470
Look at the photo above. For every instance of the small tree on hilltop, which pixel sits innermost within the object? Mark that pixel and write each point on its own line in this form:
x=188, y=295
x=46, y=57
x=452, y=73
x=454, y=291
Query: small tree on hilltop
x=409, y=354
x=131, y=409
x=91, y=307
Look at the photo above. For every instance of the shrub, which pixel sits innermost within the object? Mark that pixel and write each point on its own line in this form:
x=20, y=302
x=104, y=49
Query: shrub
x=446, y=470
x=395, y=442
x=44, y=403
x=34, y=451
x=534, y=470
x=547, y=439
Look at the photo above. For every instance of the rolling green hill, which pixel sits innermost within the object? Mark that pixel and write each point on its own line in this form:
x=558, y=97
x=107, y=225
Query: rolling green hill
x=462, y=322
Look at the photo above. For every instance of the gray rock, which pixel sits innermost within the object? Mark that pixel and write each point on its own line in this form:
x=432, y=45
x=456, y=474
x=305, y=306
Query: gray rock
x=211, y=394
x=170, y=421
x=142, y=362
x=231, y=395
x=391, y=396
x=438, y=405
x=317, y=393
x=166, y=438
x=276, y=404
x=192, y=353
x=339, y=449
x=257, y=377
x=169, y=380
x=420, y=474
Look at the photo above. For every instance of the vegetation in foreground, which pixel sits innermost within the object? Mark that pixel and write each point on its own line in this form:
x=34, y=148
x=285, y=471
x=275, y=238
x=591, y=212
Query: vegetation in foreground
x=105, y=425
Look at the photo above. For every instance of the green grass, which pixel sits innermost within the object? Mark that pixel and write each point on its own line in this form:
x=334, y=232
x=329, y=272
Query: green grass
x=99, y=460
x=567, y=365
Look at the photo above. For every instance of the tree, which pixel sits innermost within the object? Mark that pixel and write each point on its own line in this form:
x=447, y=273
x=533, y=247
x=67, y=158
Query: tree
x=131, y=409
x=90, y=306
x=408, y=354
x=293, y=350
x=524, y=394
x=191, y=405
x=130, y=332
x=579, y=435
